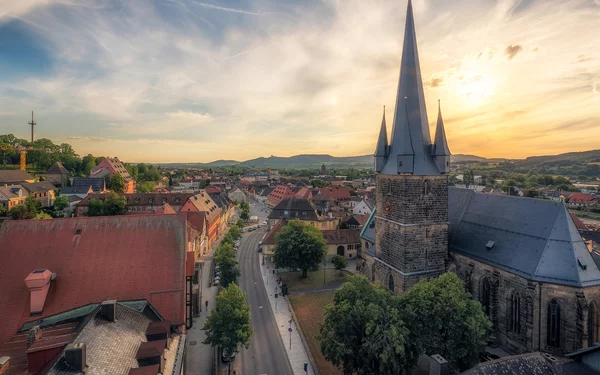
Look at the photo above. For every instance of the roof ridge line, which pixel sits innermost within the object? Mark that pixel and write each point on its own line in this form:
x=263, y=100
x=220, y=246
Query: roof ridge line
x=548, y=241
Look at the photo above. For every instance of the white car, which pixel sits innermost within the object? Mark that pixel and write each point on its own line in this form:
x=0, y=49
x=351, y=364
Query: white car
x=264, y=223
x=216, y=281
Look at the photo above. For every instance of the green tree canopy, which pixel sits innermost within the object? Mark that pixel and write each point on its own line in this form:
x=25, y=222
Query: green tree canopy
x=339, y=262
x=228, y=265
x=235, y=233
x=117, y=183
x=113, y=204
x=363, y=331
x=27, y=210
x=443, y=319
x=228, y=324
x=145, y=187
x=299, y=246
x=60, y=203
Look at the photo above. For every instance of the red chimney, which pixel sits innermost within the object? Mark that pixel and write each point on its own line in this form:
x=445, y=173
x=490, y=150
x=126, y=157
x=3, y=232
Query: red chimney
x=38, y=283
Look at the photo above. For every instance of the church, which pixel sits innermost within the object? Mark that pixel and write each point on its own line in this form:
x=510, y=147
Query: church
x=522, y=258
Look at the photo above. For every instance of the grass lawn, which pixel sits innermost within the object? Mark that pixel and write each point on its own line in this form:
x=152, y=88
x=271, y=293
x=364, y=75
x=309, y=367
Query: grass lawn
x=309, y=309
x=314, y=280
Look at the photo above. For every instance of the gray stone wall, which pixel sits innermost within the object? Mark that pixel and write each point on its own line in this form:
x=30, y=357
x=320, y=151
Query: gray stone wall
x=574, y=307
x=411, y=228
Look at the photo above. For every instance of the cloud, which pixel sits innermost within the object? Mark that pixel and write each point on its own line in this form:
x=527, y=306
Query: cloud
x=283, y=77
x=512, y=51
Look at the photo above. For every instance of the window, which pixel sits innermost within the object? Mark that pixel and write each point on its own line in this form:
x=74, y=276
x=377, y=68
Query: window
x=515, y=313
x=426, y=188
x=592, y=324
x=485, y=296
x=391, y=283
x=373, y=272
x=400, y=163
x=553, y=324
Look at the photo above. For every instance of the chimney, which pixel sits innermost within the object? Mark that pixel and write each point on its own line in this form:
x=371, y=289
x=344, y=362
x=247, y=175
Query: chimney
x=4, y=362
x=108, y=309
x=75, y=356
x=38, y=283
x=34, y=334
x=438, y=365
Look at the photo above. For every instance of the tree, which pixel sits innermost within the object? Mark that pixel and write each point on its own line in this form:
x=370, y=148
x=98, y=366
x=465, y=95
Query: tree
x=240, y=224
x=235, y=233
x=244, y=215
x=228, y=265
x=2, y=211
x=27, y=210
x=60, y=203
x=468, y=178
x=299, y=245
x=117, y=183
x=339, y=262
x=146, y=187
x=113, y=204
x=363, y=331
x=318, y=183
x=228, y=324
x=41, y=216
x=444, y=320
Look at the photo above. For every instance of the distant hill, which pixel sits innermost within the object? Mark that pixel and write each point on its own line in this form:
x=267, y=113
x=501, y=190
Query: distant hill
x=310, y=161
x=592, y=156
x=464, y=157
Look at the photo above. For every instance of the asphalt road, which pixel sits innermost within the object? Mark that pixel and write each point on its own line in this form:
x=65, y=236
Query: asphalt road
x=266, y=355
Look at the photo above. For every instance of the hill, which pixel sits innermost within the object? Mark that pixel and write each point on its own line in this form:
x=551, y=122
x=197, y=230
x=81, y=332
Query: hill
x=569, y=158
x=310, y=161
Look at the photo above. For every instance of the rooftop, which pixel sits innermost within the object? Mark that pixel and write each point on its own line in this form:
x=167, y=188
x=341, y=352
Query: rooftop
x=94, y=258
x=13, y=177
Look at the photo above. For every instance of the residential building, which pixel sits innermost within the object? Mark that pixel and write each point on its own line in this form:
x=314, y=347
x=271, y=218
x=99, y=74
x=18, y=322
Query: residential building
x=108, y=167
x=344, y=242
x=237, y=195
x=364, y=207
x=63, y=269
x=293, y=208
x=202, y=202
x=98, y=184
x=12, y=195
x=227, y=208
x=261, y=195
x=322, y=202
x=304, y=193
x=336, y=194
x=57, y=175
x=581, y=200
x=10, y=177
x=79, y=191
x=198, y=234
x=42, y=191
x=357, y=221
x=278, y=194
x=190, y=183
x=521, y=258
x=140, y=203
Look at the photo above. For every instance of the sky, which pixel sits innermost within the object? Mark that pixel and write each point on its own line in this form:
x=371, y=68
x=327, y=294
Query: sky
x=201, y=80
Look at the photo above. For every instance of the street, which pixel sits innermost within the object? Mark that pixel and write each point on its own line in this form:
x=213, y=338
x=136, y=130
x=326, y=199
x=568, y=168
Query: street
x=266, y=354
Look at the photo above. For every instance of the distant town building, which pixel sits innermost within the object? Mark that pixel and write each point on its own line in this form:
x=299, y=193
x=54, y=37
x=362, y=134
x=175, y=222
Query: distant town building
x=108, y=167
x=57, y=175
x=280, y=193
x=140, y=203
x=202, y=202
x=98, y=184
x=10, y=177
x=323, y=170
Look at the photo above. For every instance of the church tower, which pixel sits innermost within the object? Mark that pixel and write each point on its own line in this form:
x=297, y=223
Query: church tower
x=412, y=184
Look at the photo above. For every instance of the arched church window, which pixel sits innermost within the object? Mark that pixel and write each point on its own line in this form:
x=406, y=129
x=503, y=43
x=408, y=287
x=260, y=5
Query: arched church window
x=373, y=272
x=485, y=296
x=592, y=324
x=553, y=324
x=426, y=188
x=391, y=283
x=515, y=313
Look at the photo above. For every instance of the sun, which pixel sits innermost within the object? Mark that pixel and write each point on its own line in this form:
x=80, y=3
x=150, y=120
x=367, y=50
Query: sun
x=476, y=88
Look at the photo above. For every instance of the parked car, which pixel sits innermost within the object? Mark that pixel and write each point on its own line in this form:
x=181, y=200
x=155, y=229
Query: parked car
x=226, y=357
x=216, y=281
x=264, y=223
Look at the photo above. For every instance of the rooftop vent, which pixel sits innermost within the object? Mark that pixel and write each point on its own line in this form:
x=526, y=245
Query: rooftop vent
x=78, y=231
x=38, y=283
x=75, y=356
x=582, y=265
x=490, y=245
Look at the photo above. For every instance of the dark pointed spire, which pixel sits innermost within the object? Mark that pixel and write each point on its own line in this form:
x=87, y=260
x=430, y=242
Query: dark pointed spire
x=410, y=145
x=382, y=142
x=440, y=146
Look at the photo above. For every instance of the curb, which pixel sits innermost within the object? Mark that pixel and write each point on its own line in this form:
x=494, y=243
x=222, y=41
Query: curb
x=304, y=342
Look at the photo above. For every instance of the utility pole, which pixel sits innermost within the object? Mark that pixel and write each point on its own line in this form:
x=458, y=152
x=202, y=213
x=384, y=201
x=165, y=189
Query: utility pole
x=32, y=123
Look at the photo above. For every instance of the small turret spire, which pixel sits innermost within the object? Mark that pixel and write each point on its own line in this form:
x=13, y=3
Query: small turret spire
x=439, y=150
x=381, y=152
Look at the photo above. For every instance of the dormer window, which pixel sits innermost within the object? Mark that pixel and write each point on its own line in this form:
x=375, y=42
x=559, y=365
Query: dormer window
x=149, y=200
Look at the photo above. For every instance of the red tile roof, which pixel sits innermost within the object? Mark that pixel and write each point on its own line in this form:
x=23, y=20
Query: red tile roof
x=580, y=225
x=114, y=257
x=212, y=189
x=580, y=198
x=304, y=193
x=337, y=193
x=341, y=236
x=197, y=220
x=270, y=237
x=360, y=219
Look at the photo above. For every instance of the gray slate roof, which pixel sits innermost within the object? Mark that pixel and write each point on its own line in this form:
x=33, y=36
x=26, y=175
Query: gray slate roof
x=97, y=184
x=295, y=208
x=368, y=233
x=534, y=238
x=14, y=177
x=57, y=168
x=74, y=190
x=410, y=130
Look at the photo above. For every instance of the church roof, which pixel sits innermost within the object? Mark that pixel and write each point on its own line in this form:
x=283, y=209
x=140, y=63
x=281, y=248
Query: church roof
x=440, y=146
x=534, y=238
x=410, y=130
x=382, y=142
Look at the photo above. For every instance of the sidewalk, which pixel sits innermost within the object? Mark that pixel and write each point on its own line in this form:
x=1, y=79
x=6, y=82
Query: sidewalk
x=296, y=353
x=200, y=357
